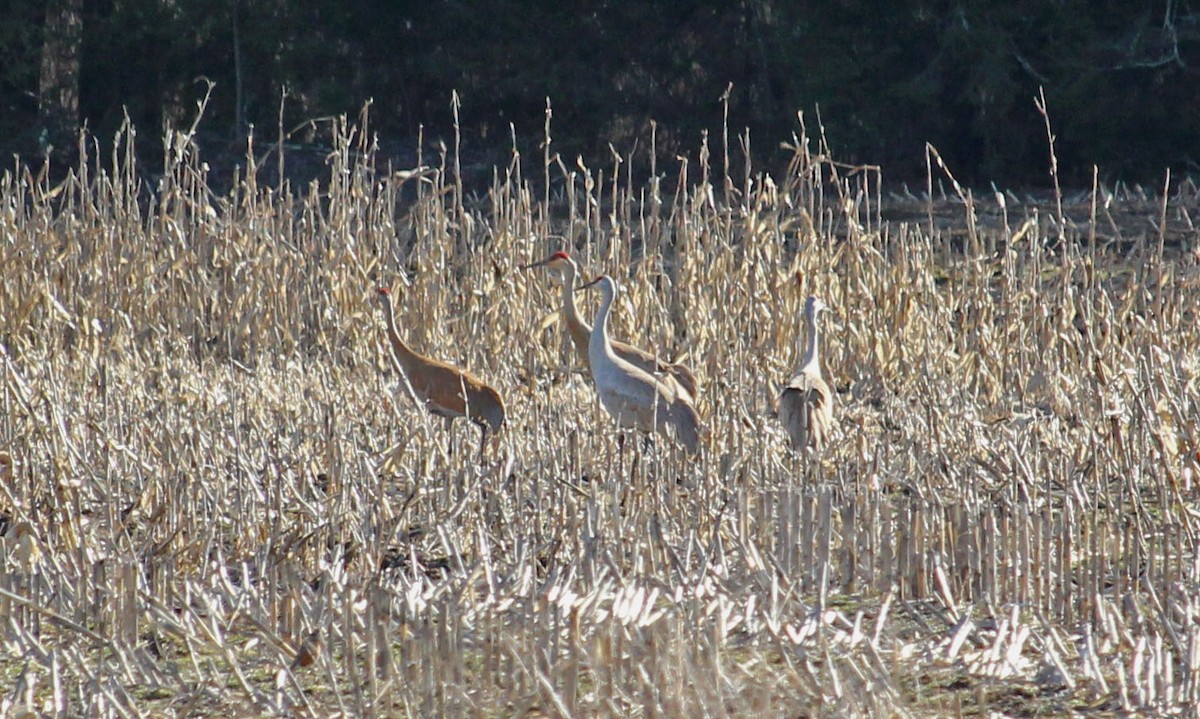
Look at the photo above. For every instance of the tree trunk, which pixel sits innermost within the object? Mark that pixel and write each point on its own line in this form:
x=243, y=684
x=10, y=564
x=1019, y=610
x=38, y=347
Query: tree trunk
x=58, y=82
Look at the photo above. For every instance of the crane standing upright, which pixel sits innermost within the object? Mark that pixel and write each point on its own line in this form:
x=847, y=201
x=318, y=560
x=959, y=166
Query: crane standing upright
x=671, y=373
x=445, y=390
x=806, y=403
x=632, y=396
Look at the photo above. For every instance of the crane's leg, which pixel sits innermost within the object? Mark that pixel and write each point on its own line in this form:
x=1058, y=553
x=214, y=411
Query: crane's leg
x=448, y=422
x=483, y=432
x=635, y=467
x=620, y=451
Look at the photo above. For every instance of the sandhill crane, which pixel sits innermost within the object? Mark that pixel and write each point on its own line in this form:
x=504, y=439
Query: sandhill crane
x=634, y=397
x=581, y=332
x=806, y=404
x=445, y=390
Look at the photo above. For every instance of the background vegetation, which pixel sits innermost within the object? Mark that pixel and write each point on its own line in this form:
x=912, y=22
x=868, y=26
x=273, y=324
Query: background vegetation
x=215, y=499
x=1119, y=77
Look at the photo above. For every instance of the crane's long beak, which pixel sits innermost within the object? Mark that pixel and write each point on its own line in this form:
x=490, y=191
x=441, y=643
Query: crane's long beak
x=531, y=265
x=583, y=287
x=549, y=261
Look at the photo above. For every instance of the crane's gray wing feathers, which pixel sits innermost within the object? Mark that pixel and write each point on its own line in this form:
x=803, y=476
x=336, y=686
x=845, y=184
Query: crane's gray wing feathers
x=806, y=410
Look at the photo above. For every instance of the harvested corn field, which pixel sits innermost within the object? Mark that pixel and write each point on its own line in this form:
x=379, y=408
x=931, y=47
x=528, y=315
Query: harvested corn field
x=219, y=498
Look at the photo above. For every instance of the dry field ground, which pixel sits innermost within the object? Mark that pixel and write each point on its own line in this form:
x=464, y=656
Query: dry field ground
x=215, y=503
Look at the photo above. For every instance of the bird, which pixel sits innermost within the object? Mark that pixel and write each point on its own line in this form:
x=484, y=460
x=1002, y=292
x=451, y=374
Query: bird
x=634, y=397
x=580, y=331
x=806, y=403
x=445, y=390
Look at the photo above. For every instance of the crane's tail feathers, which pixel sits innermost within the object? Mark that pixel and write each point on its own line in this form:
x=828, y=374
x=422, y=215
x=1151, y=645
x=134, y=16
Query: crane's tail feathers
x=685, y=378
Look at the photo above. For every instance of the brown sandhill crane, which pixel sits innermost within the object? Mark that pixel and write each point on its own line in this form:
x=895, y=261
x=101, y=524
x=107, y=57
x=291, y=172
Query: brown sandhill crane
x=806, y=404
x=631, y=395
x=445, y=390
x=581, y=332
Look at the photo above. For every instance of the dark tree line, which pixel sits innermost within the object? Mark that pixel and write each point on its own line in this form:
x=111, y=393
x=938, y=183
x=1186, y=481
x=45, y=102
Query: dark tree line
x=1120, y=77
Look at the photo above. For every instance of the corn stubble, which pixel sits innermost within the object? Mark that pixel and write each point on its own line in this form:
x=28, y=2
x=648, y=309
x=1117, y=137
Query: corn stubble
x=206, y=462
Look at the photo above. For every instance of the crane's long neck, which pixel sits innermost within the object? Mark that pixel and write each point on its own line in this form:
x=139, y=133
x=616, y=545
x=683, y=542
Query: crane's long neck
x=402, y=352
x=811, y=362
x=600, y=330
x=576, y=324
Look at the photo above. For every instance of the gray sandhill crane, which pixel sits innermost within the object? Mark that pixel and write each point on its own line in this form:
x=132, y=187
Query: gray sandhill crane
x=634, y=397
x=581, y=332
x=806, y=404
x=445, y=390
